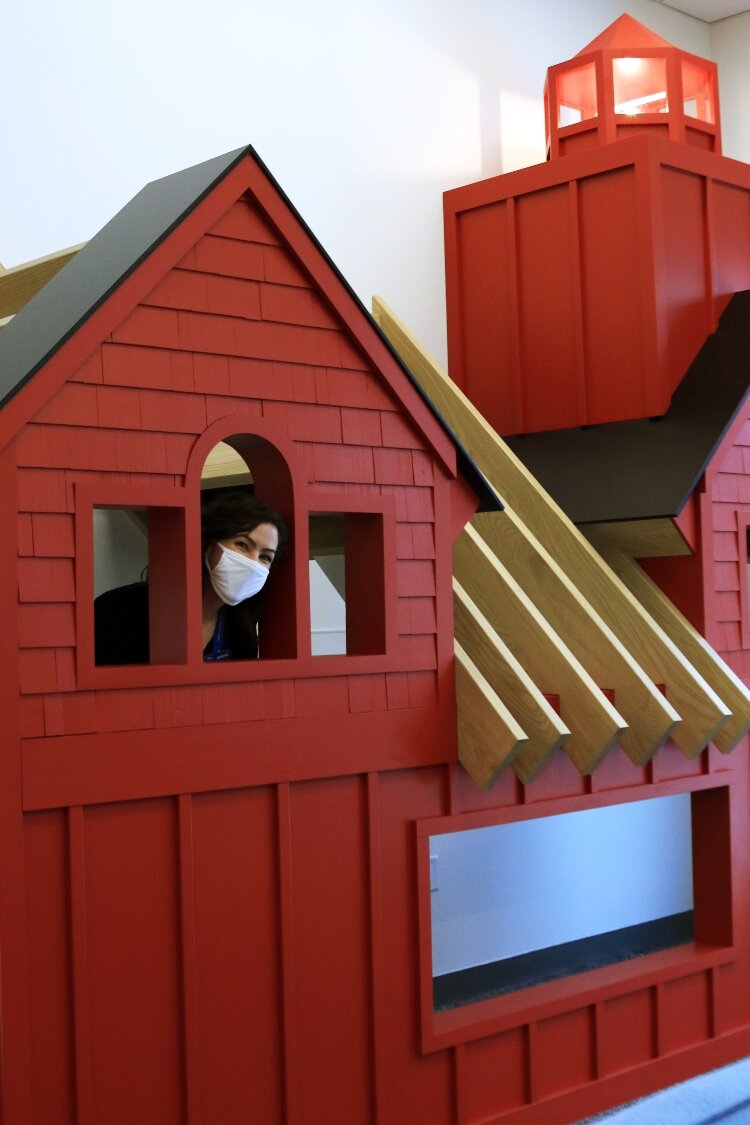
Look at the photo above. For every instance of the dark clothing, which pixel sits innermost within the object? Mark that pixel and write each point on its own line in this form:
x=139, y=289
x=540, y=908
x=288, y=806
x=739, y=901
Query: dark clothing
x=121, y=629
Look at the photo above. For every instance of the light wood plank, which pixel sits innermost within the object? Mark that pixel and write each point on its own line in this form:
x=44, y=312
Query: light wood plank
x=702, y=711
x=224, y=466
x=488, y=735
x=650, y=718
x=643, y=539
x=20, y=283
x=704, y=658
x=545, y=730
x=594, y=722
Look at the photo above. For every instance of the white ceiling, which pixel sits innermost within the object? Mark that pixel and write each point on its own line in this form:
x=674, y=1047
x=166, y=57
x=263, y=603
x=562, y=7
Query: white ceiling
x=709, y=10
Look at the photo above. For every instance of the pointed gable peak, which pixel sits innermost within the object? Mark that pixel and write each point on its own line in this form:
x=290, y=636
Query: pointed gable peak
x=625, y=33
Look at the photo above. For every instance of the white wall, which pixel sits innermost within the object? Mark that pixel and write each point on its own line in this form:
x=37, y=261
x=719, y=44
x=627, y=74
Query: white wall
x=513, y=888
x=120, y=550
x=365, y=110
x=730, y=48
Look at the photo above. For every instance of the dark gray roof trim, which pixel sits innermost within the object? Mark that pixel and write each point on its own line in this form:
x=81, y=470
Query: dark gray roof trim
x=647, y=468
x=50, y=318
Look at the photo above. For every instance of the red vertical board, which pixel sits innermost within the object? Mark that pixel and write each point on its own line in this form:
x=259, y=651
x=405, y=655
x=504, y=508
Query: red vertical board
x=238, y=962
x=611, y=297
x=494, y=1075
x=49, y=950
x=133, y=946
x=730, y=227
x=418, y=1088
x=331, y=963
x=628, y=1032
x=548, y=307
x=685, y=1012
x=564, y=1053
x=484, y=297
x=684, y=290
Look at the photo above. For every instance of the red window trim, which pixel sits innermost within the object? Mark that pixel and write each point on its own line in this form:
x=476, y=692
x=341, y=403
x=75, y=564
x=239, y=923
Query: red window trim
x=478, y=1020
x=194, y=670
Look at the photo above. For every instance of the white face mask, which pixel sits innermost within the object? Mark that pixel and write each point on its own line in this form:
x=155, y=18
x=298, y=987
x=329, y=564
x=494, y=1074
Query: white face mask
x=236, y=577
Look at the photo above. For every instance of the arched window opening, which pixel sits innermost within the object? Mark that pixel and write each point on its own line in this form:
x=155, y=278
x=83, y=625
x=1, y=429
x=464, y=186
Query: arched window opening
x=254, y=465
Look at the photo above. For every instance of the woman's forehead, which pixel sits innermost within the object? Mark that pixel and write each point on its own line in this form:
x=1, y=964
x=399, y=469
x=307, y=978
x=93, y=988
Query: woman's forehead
x=262, y=531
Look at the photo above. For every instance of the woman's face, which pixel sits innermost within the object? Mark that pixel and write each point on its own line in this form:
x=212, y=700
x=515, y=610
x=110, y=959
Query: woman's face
x=260, y=544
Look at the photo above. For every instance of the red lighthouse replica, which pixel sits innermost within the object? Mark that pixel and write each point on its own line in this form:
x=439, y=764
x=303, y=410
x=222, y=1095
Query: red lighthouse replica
x=580, y=290
x=485, y=861
x=597, y=319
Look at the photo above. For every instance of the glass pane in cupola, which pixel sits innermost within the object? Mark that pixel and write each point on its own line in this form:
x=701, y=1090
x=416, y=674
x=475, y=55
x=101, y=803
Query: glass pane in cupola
x=640, y=85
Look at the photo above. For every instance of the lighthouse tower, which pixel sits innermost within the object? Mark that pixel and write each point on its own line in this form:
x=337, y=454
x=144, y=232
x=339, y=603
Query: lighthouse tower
x=580, y=290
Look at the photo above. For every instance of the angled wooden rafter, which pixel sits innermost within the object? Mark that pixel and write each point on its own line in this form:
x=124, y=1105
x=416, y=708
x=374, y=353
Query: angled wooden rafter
x=594, y=722
x=650, y=717
x=546, y=732
x=695, y=647
x=489, y=737
x=696, y=703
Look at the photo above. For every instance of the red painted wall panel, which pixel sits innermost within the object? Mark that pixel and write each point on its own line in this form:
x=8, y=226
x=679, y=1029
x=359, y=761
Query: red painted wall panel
x=609, y=298
x=238, y=962
x=128, y=925
x=484, y=278
x=257, y=952
x=326, y=915
x=622, y=260
x=410, y=1086
x=547, y=298
x=493, y=1076
x=49, y=945
x=686, y=287
x=564, y=1053
x=627, y=1031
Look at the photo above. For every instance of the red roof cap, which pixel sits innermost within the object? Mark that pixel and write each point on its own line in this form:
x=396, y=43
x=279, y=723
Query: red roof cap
x=625, y=32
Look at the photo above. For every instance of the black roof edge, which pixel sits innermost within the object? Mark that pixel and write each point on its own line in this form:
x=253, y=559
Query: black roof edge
x=489, y=500
x=237, y=155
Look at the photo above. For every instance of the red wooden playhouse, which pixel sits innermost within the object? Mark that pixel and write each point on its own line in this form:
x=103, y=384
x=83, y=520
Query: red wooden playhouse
x=219, y=881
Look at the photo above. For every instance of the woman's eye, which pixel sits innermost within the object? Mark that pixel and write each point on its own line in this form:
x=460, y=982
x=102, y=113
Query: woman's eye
x=266, y=559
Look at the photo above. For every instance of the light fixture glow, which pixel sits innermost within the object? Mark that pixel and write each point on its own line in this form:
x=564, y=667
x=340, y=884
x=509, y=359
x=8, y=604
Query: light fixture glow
x=629, y=67
x=636, y=105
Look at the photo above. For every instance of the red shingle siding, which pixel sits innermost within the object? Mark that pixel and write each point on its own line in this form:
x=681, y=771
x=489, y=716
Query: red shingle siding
x=727, y=578
x=236, y=328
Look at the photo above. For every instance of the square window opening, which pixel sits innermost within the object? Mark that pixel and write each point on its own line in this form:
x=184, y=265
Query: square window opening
x=576, y=95
x=139, y=585
x=347, y=583
x=520, y=904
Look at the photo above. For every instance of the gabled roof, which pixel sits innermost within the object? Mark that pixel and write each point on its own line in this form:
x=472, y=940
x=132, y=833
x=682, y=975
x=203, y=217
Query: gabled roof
x=647, y=468
x=38, y=332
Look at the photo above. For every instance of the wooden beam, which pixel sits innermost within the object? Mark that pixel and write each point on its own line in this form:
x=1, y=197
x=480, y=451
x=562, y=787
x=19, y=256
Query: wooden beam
x=594, y=723
x=225, y=467
x=650, y=717
x=488, y=735
x=643, y=539
x=20, y=283
x=545, y=730
x=701, y=710
x=703, y=657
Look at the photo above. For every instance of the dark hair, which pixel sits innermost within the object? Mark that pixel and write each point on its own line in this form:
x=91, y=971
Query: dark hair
x=232, y=510
x=223, y=514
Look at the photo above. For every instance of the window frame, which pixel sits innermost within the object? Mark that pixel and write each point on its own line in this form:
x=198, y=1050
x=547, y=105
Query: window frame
x=743, y=557
x=713, y=945
x=186, y=499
